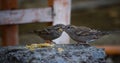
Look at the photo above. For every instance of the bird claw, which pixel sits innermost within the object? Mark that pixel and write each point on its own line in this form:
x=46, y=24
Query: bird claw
x=85, y=44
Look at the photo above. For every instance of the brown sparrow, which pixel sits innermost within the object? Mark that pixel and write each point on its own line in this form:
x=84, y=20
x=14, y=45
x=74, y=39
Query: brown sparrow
x=82, y=34
x=50, y=33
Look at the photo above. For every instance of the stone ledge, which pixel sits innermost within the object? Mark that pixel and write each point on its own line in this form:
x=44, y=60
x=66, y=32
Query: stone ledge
x=70, y=53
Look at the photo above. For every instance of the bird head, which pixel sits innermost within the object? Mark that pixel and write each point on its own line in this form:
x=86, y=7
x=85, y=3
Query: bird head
x=70, y=28
x=59, y=27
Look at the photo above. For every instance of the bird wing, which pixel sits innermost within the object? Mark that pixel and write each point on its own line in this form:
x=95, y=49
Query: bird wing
x=44, y=31
x=82, y=30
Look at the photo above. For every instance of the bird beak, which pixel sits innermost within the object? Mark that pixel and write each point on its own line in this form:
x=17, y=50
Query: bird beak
x=60, y=30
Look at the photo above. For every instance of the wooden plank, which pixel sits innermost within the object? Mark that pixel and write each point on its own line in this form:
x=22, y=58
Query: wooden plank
x=8, y=4
x=62, y=14
x=50, y=3
x=62, y=10
x=111, y=50
x=0, y=4
x=9, y=32
x=25, y=16
x=10, y=35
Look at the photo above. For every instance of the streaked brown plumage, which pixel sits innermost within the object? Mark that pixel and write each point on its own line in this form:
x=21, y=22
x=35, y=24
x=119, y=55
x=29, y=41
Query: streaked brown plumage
x=50, y=33
x=82, y=34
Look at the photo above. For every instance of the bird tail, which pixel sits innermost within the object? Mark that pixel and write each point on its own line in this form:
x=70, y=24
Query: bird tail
x=110, y=32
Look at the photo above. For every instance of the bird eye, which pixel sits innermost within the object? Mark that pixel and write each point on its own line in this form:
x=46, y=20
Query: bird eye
x=68, y=27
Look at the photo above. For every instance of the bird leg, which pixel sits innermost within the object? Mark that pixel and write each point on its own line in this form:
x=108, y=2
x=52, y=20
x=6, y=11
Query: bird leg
x=48, y=41
x=83, y=43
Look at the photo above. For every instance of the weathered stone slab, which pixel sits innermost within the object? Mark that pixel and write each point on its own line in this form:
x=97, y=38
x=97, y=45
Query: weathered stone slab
x=71, y=53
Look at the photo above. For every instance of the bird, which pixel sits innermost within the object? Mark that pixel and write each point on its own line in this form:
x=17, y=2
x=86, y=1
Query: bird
x=50, y=33
x=82, y=34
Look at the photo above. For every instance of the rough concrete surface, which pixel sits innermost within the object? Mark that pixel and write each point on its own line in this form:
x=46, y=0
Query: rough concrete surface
x=71, y=53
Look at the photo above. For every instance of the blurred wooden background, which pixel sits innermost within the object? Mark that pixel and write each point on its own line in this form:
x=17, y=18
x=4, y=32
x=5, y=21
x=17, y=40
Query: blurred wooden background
x=98, y=14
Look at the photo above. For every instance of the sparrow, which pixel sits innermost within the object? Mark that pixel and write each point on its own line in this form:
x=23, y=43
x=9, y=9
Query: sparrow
x=50, y=33
x=82, y=34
